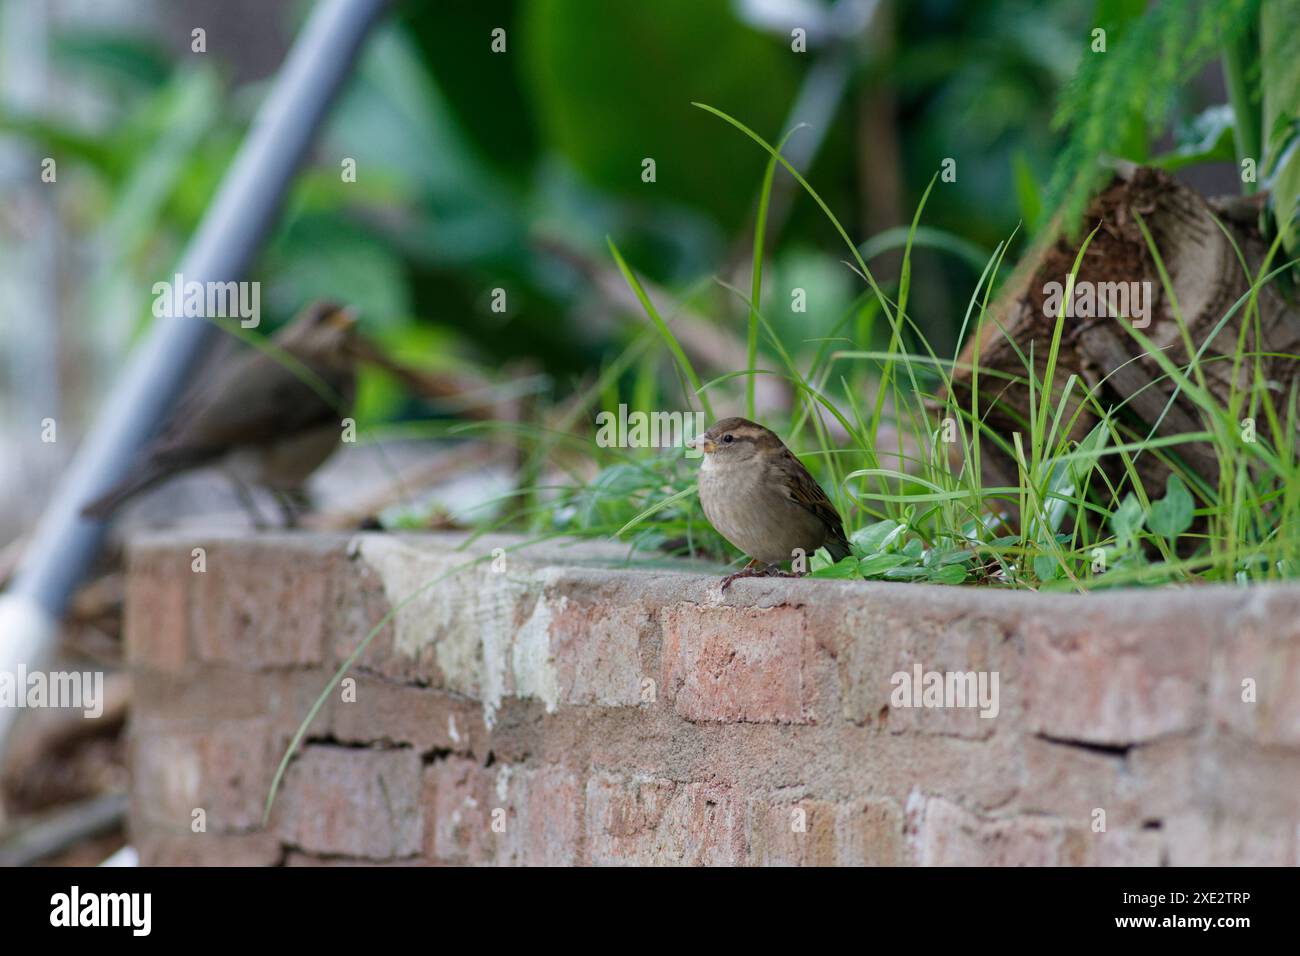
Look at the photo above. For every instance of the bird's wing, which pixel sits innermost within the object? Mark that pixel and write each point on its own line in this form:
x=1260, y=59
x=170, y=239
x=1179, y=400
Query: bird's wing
x=254, y=400
x=804, y=491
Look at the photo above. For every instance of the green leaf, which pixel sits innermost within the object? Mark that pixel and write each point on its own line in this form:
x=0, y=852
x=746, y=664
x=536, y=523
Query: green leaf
x=1127, y=521
x=878, y=564
x=595, y=107
x=1046, y=567
x=911, y=572
x=1029, y=194
x=820, y=560
x=844, y=569
x=1280, y=74
x=877, y=537
x=1206, y=139
x=935, y=558
x=948, y=574
x=1172, y=514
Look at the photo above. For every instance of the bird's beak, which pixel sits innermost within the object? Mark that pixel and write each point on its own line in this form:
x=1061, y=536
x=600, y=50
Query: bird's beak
x=343, y=319
x=703, y=444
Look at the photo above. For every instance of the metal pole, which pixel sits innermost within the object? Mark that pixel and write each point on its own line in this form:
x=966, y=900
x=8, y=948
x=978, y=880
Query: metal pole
x=241, y=213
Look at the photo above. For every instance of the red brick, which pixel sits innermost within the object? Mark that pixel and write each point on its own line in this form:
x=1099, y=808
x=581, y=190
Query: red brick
x=206, y=849
x=738, y=665
x=458, y=799
x=357, y=604
x=590, y=776
x=425, y=718
x=1071, y=781
x=1270, y=658
x=1125, y=847
x=647, y=821
x=543, y=822
x=1099, y=679
x=797, y=833
x=941, y=833
x=224, y=771
x=597, y=651
x=257, y=606
x=352, y=802
x=296, y=859
x=1196, y=841
x=870, y=833
x=157, y=610
x=874, y=643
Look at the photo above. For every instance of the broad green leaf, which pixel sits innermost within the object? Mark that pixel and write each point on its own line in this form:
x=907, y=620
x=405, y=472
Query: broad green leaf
x=1280, y=76
x=1172, y=514
x=1127, y=521
x=820, y=560
x=588, y=67
x=1046, y=567
x=843, y=569
x=948, y=574
x=878, y=564
x=911, y=572
x=876, y=537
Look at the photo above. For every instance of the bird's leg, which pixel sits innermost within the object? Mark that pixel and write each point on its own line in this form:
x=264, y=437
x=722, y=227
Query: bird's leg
x=293, y=502
x=246, y=501
x=750, y=570
x=776, y=572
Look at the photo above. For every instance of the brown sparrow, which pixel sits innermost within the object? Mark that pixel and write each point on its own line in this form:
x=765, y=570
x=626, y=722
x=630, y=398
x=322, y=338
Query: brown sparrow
x=762, y=499
x=262, y=422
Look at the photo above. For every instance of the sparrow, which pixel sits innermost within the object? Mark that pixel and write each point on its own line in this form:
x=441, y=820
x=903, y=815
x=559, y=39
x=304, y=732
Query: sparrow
x=265, y=421
x=761, y=498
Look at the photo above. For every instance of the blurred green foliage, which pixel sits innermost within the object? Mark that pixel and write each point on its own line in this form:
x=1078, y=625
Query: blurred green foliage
x=467, y=157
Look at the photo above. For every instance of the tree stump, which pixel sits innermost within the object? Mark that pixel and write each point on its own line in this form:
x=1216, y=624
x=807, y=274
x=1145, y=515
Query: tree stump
x=1207, y=277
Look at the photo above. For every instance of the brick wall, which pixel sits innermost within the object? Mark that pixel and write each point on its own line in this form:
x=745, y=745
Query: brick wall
x=551, y=711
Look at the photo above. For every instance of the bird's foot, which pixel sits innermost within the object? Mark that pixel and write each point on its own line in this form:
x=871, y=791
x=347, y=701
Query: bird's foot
x=753, y=570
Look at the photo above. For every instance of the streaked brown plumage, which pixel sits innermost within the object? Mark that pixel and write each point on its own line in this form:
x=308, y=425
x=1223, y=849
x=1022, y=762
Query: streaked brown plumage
x=255, y=416
x=761, y=498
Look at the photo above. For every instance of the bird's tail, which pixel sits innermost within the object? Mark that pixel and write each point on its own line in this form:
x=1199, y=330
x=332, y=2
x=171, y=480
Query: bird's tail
x=838, y=545
x=104, y=506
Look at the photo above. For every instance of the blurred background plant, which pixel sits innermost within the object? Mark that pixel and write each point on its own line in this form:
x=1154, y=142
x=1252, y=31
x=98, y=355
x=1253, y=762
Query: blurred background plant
x=479, y=170
x=473, y=238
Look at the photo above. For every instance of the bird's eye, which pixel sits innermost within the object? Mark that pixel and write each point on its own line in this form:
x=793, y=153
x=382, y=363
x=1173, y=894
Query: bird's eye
x=728, y=439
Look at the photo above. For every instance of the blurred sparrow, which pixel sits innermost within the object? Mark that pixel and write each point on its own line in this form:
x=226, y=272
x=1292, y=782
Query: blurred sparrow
x=761, y=498
x=258, y=418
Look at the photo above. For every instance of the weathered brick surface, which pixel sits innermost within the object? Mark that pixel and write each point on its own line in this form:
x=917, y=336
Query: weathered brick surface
x=352, y=802
x=157, y=610
x=551, y=712
x=748, y=665
x=458, y=803
x=202, y=849
x=251, y=606
x=377, y=710
x=217, y=770
x=655, y=821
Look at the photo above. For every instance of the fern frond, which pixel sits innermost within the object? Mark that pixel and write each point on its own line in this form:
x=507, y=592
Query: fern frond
x=1120, y=97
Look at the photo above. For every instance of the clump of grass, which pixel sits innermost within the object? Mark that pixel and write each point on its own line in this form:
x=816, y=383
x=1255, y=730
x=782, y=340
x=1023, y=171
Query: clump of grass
x=903, y=462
